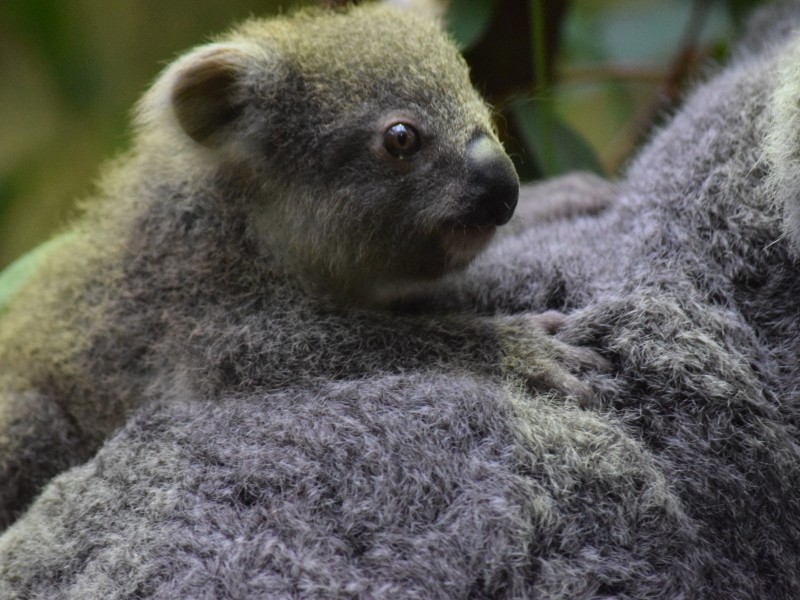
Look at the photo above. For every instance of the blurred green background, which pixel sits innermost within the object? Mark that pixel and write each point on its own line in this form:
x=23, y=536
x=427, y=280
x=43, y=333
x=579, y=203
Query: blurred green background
x=576, y=84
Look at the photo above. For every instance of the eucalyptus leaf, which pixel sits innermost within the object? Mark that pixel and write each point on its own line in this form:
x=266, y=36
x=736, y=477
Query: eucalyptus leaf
x=14, y=276
x=467, y=20
x=555, y=146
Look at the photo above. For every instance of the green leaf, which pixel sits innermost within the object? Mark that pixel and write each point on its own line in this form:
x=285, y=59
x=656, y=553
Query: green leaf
x=467, y=20
x=14, y=276
x=638, y=32
x=553, y=144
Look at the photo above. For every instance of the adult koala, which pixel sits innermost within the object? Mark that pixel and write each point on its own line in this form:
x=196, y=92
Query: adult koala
x=681, y=483
x=689, y=285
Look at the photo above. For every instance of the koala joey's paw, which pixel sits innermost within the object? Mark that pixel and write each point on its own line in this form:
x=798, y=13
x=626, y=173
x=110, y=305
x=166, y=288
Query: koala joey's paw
x=570, y=386
x=546, y=363
x=579, y=359
x=552, y=377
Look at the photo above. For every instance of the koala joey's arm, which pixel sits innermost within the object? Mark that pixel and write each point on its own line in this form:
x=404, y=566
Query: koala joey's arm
x=560, y=198
x=521, y=348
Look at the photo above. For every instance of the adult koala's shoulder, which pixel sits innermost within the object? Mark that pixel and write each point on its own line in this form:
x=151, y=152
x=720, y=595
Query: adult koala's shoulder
x=285, y=182
x=422, y=485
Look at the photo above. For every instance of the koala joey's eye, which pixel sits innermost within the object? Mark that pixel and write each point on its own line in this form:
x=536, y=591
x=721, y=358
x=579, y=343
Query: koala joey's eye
x=401, y=140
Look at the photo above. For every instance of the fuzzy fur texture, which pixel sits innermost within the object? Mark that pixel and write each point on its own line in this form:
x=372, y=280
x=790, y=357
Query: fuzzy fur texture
x=411, y=486
x=436, y=482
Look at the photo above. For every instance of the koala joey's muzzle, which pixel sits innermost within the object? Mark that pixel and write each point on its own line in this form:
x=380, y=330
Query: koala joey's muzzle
x=492, y=184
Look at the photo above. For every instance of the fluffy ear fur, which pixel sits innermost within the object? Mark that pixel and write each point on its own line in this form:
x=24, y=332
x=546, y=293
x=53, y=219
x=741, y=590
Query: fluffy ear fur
x=204, y=93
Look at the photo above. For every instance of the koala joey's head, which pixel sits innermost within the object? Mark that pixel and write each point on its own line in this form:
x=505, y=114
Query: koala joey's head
x=365, y=158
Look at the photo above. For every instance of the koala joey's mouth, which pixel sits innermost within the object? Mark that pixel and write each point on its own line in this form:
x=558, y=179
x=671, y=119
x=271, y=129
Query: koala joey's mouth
x=462, y=243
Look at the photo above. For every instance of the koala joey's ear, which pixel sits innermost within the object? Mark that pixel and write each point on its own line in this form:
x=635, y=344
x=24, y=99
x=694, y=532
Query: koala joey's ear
x=206, y=94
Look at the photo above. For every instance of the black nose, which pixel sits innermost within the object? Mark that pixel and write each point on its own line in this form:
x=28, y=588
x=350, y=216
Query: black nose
x=492, y=183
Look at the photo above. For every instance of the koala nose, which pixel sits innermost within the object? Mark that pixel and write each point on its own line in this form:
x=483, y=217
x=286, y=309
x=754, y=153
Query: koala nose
x=492, y=183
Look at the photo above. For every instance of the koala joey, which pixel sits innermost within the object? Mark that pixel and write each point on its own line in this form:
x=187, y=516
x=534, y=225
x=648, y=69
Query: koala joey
x=285, y=183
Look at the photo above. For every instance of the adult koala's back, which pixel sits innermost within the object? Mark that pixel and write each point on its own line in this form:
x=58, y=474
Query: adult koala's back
x=285, y=182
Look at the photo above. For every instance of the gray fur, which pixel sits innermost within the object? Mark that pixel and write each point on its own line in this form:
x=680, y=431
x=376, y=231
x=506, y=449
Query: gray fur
x=681, y=483
x=413, y=486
